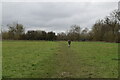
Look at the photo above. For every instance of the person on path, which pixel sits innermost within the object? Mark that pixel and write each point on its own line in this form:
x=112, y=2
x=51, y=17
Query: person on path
x=69, y=42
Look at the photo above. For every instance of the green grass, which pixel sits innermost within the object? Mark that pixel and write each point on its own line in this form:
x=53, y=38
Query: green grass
x=0, y=59
x=28, y=59
x=97, y=59
x=47, y=59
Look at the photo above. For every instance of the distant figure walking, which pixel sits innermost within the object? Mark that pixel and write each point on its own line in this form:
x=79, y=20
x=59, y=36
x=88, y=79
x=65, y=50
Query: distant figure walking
x=69, y=42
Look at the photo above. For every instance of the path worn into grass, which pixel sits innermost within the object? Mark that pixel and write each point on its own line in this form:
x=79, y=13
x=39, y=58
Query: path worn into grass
x=68, y=64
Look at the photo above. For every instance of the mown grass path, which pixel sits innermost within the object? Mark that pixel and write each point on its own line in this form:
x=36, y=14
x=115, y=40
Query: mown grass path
x=67, y=61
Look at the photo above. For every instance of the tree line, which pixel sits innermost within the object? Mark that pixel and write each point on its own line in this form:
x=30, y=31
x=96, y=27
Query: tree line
x=107, y=29
x=17, y=32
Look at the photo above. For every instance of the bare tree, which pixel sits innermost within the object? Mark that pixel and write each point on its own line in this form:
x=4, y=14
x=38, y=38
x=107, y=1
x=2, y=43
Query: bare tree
x=74, y=33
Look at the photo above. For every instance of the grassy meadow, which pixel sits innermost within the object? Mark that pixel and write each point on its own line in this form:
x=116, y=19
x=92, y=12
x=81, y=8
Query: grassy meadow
x=0, y=59
x=54, y=59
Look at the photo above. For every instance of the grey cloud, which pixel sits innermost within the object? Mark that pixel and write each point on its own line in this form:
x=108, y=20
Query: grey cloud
x=56, y=16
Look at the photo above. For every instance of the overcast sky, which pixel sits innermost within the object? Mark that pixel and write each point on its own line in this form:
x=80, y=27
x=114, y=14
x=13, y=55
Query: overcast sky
x=55, y=16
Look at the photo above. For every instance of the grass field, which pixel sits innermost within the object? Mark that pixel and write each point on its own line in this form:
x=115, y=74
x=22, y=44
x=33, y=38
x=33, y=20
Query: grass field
x=0, y=59
x=47, y=59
